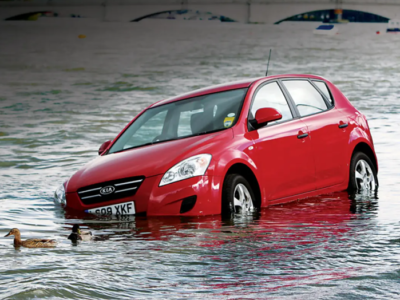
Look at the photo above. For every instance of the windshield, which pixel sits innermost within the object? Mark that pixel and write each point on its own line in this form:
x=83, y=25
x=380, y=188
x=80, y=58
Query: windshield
x=181, y=119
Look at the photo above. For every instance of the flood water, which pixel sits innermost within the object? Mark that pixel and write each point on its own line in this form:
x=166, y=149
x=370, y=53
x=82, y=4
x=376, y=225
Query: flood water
x=61, y=97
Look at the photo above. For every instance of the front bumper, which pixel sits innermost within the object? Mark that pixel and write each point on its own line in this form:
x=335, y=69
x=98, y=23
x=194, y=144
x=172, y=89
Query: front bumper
x=152, y=200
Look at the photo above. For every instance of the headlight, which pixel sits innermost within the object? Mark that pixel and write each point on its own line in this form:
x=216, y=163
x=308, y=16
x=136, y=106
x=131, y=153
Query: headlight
x=190, y=167
x=59, y=195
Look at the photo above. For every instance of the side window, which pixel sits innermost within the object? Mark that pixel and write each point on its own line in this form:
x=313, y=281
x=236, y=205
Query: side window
x=322, y=86
x=306, y=98
x=270, y=95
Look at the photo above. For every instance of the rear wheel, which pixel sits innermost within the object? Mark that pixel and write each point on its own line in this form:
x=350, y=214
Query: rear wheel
x=237, y=195
x=362, y=173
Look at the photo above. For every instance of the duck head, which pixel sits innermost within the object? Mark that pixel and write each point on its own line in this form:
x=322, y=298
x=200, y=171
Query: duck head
x=76, y=229
x=14, y=232
x=75, y=235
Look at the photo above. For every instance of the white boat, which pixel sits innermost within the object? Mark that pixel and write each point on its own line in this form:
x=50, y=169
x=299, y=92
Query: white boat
x=393, y=26
x=326, y=29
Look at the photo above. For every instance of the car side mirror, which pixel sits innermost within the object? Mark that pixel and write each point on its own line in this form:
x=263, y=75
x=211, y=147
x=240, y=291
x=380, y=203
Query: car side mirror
x=264, y=116
x=103, y=147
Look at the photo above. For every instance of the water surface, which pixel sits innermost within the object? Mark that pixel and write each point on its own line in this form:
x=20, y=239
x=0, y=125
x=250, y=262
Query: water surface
x=61, y=97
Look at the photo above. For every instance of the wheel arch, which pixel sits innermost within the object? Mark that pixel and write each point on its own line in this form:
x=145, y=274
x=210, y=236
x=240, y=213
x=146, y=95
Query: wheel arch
x=246, y=172
x=365, y=148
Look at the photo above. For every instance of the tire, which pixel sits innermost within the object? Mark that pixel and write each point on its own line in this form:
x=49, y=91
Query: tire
x=237, y=196
x=363, y=176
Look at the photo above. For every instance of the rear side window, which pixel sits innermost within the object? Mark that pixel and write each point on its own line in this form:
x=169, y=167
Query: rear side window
x=322, y=86
x=306, y=98
x=270, y=95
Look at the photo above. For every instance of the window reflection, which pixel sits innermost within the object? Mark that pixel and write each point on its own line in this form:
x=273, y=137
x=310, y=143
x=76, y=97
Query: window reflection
x=307, y=99
x=270, y=95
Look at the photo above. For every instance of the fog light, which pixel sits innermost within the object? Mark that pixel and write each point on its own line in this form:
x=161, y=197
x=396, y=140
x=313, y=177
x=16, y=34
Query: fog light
x=187, y=204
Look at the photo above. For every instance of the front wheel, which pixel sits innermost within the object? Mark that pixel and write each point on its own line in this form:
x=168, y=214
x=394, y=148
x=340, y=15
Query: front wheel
x=237, y=195
x=363, y=175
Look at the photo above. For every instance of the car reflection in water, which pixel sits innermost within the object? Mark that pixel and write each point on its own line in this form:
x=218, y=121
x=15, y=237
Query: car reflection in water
x=312, y=241
x=300, y=222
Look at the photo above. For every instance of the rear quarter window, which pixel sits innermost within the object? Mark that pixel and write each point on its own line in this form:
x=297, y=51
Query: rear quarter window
x=324, y=89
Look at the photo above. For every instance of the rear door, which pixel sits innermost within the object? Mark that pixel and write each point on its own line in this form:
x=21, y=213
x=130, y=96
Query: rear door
x=282, y=149
x=327, y=128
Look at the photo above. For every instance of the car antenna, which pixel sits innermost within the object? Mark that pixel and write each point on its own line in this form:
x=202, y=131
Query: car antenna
x=269, y=57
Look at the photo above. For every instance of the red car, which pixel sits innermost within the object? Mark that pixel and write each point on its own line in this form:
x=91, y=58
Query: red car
x=232, y=148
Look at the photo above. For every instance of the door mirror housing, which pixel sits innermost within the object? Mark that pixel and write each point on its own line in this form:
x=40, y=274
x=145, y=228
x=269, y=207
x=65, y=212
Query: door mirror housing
x=103, y=147
x=264, y=116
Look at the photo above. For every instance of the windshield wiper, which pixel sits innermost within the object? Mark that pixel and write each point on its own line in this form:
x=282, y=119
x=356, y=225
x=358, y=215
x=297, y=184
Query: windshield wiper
x=209, y=131
x=147, y=144
x=122, y=150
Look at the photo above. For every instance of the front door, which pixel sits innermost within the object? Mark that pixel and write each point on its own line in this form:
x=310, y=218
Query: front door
x=282, y=149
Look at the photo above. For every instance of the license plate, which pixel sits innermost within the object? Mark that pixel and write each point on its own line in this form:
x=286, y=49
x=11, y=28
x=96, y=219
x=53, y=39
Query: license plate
x=126, y=208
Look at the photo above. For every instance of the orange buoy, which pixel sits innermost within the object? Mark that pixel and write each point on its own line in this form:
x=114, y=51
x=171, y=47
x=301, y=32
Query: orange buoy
x=81, y=36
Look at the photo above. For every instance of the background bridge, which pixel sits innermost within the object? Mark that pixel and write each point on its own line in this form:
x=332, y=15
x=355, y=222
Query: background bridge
x=247, y=11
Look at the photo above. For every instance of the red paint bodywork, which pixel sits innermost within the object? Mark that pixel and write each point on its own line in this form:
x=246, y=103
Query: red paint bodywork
x=285, y=167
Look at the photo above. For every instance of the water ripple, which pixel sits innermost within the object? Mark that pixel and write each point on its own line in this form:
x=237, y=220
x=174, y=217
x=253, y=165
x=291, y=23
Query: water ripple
x=61, y=97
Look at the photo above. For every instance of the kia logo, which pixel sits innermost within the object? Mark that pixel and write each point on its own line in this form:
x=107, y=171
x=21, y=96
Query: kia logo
x=107, y=190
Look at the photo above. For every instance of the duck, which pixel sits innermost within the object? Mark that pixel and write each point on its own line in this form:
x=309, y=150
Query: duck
x=78, y=234
x=30, y=243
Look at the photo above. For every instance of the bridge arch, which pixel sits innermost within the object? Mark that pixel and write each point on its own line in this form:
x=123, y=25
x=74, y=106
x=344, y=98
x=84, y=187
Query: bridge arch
x=329, y=15
x=32, y=16
x=184, y=14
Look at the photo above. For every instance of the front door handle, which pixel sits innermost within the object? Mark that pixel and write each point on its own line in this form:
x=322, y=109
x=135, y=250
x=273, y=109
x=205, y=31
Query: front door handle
x=343, y=124
x=302, y=135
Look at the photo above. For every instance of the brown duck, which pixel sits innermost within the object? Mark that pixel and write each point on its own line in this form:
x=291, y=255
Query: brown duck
x=31, y=243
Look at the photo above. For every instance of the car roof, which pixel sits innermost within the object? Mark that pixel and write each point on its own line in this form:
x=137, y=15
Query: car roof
x=231, y=86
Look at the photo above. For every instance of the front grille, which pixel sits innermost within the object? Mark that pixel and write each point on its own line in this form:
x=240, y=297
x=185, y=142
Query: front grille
x=110, y=190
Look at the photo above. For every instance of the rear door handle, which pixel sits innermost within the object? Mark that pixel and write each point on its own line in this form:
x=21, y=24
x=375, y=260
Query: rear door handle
x=302, y=135
x=343, y=125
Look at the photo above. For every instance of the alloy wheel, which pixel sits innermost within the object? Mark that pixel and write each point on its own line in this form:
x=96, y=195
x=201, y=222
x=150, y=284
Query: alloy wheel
x=365, y=178
x=242, y=201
